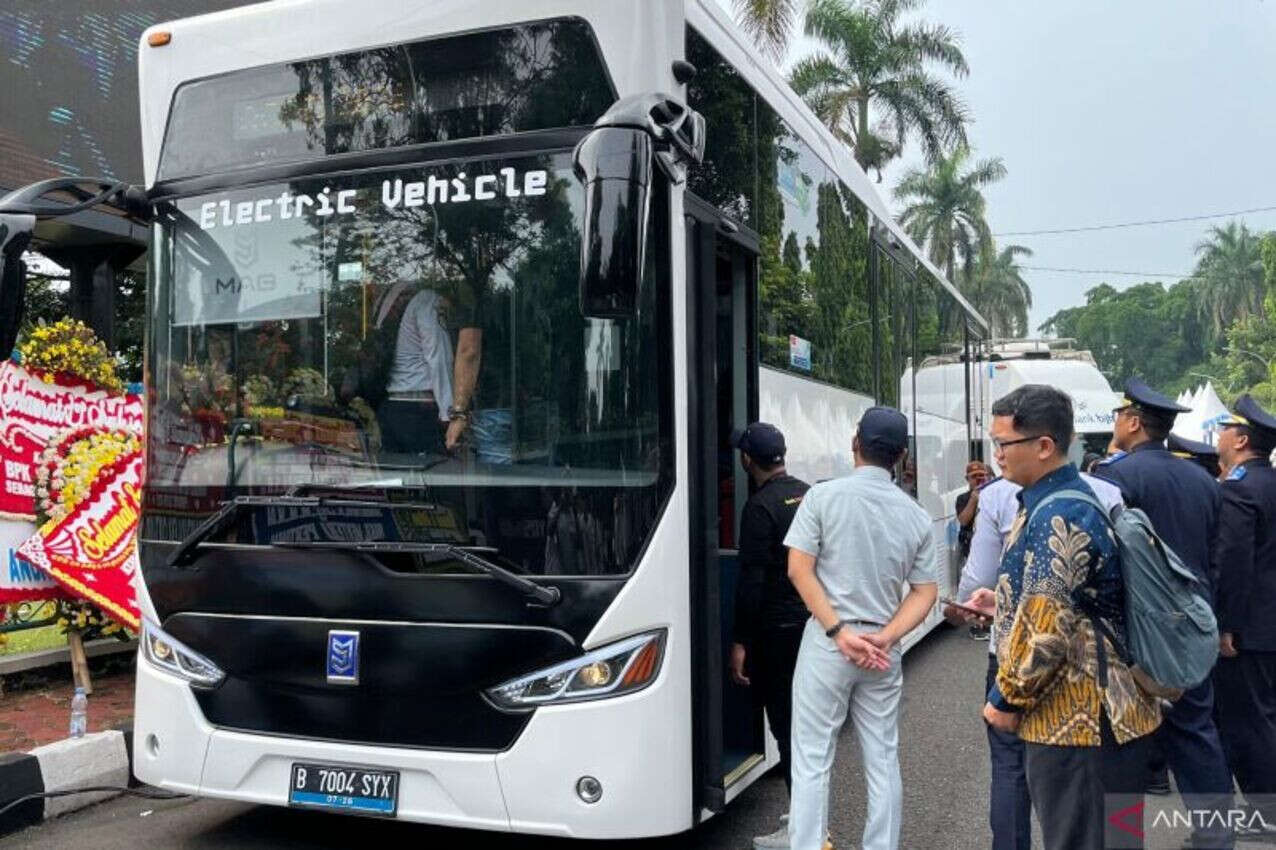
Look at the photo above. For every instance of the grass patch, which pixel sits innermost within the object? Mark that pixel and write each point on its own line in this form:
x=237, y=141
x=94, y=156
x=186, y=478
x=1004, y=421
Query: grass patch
x=32, y=640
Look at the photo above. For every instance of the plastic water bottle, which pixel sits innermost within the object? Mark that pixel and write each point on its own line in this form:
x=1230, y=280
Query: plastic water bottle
x=79, y=714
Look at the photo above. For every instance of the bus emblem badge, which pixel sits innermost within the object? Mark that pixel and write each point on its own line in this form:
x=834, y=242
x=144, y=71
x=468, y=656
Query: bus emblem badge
x=343, y=657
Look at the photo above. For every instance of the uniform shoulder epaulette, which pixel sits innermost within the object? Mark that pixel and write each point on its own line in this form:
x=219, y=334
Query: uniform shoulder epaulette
x=1113, y=458
x=1238, y=473
x=988, y=483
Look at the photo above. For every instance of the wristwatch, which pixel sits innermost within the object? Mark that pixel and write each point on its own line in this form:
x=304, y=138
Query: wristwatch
x=837, y=627
x=457, y=413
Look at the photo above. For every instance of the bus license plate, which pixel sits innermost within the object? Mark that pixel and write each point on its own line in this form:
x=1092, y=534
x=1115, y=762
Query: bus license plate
x=344, y=789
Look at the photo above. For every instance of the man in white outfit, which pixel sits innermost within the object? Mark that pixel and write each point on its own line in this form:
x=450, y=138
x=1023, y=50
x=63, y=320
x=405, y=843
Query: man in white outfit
x=429, y=388
x=853, y=545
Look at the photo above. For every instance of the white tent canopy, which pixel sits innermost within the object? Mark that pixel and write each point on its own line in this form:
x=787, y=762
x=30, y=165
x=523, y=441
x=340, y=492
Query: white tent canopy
x=1208, y=410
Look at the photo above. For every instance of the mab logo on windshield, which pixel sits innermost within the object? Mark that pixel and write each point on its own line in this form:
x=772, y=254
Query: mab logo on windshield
x=343, y=657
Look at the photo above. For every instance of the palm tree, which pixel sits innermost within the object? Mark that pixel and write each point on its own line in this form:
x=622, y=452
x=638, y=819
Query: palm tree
x=945, y=209
x=1229, y=275
x=998, y=291
x=873, y=62
x=769, y=23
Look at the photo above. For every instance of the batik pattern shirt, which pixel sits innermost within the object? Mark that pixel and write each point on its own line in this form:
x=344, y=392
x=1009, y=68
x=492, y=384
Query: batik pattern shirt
x=1047, y=652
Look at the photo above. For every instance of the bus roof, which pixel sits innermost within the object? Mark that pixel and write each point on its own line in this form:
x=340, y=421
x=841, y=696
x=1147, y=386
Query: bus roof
x=639, y=42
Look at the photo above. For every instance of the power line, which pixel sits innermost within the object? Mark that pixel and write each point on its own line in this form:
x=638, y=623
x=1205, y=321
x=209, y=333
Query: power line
x=1107, y=271
x=1146, y=223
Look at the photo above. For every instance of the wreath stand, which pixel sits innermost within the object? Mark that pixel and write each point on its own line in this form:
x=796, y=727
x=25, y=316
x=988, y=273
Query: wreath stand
x=79, y=661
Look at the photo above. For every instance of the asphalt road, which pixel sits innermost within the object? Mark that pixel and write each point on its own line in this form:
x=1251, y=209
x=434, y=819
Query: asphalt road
x=943, y=759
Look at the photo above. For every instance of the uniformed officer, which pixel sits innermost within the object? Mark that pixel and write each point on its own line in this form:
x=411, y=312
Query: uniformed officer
x=1245, y=564
x=769, y=614
x=1181, y=500
x=1202, y=454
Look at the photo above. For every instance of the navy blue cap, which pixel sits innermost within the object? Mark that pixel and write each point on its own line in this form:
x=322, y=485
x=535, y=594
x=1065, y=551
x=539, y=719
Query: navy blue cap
x=761, y=441
x=1183, y=446
x=884, y=428
x=1140, y=395
x=1250, y=413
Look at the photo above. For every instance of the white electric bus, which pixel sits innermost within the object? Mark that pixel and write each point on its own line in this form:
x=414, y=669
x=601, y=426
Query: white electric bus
x=511, y=611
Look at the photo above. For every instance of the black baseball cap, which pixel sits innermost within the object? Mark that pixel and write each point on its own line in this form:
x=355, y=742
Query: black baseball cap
x=761, y=441
x=885, y=429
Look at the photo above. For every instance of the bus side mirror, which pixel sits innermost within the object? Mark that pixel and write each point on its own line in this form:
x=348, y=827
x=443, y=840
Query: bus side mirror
x=15, y=236
x=614, y=164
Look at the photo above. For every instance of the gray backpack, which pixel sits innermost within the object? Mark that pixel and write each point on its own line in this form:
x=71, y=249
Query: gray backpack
x=1172, y=637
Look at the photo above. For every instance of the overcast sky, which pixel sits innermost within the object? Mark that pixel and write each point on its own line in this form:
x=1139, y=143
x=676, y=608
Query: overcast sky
x=1112, y=111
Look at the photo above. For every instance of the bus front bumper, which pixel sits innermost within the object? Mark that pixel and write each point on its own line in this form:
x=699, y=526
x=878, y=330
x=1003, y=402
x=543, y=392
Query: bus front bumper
x=529, y=788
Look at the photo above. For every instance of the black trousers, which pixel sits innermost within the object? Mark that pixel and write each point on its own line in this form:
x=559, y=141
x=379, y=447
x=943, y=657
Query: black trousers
x=1245, y=697
x=774, y=656
x=1071, y=785
x=411, y=427
x=1190, y=743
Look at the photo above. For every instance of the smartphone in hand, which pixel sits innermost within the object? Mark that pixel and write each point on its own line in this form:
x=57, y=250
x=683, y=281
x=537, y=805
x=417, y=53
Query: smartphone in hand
x=983, y=615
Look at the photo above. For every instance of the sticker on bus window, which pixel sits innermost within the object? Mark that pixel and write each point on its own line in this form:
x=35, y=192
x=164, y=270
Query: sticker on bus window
x=271, y=272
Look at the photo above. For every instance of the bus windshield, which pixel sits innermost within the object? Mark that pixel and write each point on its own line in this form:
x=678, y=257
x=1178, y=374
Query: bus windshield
x=411, y=328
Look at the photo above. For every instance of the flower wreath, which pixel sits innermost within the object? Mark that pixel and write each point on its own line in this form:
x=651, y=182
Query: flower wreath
x=67, y=352
x=65, y=472
x=67, y=467
x=69, y=349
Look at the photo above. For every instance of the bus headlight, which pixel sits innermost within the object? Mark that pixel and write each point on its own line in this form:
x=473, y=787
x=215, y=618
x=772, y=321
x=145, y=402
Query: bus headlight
x=618, y=668
x=171, y=656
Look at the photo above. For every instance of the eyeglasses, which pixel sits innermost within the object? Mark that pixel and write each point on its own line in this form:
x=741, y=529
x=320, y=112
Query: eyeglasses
x=1000, y=445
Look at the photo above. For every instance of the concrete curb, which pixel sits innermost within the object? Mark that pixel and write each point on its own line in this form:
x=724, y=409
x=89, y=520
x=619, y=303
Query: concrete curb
x=103, y=758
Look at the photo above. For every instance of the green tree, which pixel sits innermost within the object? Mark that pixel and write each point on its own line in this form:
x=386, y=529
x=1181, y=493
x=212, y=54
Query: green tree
x=48, y=300
x=999, y=292
x=945, y=208
x=839, y=290
x=872, y=62
x=1269, y=274
x=1249, y=358
x=1230, y=271
x=1145, y=330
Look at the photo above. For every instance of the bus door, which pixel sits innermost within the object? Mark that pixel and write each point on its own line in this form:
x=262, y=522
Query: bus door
x=730, y=743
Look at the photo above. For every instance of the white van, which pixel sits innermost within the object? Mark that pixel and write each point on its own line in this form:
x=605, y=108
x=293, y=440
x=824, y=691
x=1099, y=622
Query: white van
x=1005, y=365
x=999, y=368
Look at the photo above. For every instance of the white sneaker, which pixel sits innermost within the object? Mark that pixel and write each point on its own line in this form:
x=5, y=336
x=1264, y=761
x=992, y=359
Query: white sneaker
x=778, y=840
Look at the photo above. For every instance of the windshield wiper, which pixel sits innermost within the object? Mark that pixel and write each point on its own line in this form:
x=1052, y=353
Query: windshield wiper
x=538, y=594
x=229, y=511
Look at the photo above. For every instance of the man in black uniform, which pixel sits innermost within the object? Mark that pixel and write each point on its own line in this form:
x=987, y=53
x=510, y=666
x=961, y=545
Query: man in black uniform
x=769, y=614
x=1245, y=565
x=1181, y=500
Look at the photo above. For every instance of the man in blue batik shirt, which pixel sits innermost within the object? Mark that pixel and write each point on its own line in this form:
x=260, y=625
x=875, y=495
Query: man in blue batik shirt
x=1084, y=720
x=1009, y=805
